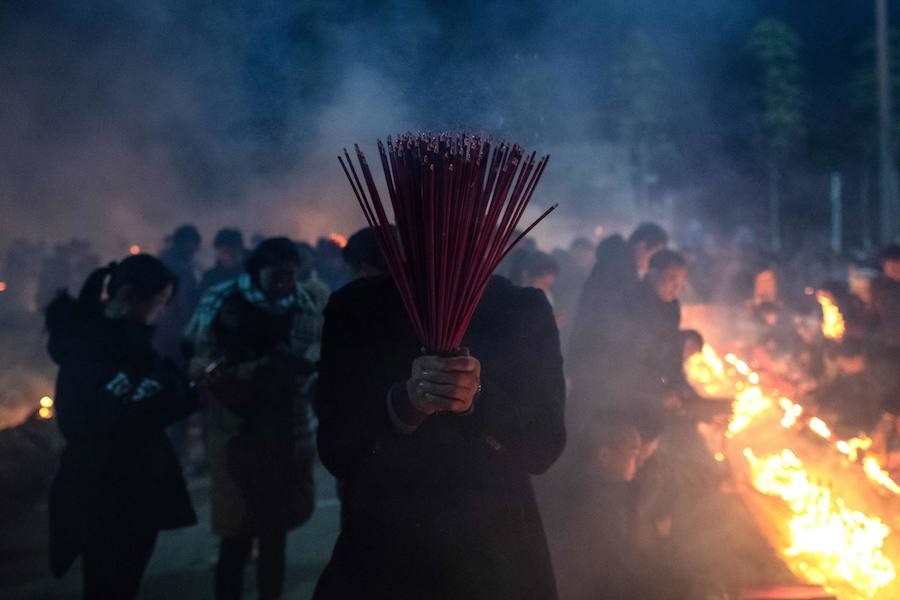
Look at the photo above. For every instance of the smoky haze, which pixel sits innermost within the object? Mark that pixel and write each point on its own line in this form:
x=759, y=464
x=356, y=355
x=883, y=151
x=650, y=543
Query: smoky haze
x=122, y=120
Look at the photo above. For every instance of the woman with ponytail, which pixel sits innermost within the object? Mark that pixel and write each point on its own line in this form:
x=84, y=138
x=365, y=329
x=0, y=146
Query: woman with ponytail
x=119, y=482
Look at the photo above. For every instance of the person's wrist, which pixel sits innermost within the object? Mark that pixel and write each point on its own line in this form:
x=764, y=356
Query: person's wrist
x=407, y=417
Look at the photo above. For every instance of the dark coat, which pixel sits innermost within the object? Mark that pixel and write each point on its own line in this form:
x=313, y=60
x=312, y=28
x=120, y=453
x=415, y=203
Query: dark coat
x=448, y=511
x=114, y=398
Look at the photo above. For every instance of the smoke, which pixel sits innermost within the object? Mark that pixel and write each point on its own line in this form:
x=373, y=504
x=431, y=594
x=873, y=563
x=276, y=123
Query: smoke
x=121, y=122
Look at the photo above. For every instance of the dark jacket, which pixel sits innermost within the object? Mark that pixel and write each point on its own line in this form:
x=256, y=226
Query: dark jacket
x=886, y=300
x=261, y=446
x=651, y=342
x=448, y=511
x=114, y=398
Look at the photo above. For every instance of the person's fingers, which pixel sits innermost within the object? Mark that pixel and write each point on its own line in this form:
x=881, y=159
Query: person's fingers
x=455, y=363
x=445, y=390
x=461, y=379
x=439, y=403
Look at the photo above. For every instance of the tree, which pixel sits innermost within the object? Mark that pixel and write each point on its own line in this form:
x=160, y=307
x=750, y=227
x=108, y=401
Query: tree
x=864, y=114
x=643, y=108
x=775, y=50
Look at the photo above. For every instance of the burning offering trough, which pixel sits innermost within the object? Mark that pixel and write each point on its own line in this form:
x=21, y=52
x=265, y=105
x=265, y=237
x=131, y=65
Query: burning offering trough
x=830, y=510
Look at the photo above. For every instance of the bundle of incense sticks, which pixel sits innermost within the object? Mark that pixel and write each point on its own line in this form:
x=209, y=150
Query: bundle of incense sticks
x=456, y=200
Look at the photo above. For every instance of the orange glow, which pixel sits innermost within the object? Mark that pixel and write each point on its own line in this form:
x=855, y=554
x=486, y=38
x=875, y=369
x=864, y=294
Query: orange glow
x=135, y=249
x=2, y=286
x=338, y=239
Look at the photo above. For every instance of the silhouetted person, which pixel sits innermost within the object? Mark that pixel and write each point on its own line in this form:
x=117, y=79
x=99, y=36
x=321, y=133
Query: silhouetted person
x=363, y=256
x=540, y=270
x=67, y=267
x=650, y=339
x=436, y=470
x=179, y=259
x=119, y=482
x=595, y=350
x=599, y=554
x=886, y=297
x=257, y=346
x=575, y=265
x=230, y=255
x=330, y=265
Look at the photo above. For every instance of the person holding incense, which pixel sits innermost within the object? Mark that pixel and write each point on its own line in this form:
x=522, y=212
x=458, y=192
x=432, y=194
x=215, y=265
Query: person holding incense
x=441, y=387
x=435, y=453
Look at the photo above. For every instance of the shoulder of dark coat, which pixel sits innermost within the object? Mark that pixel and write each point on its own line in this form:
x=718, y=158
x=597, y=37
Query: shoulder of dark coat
x=502, y=298
x=363, y=297
x=71, y=326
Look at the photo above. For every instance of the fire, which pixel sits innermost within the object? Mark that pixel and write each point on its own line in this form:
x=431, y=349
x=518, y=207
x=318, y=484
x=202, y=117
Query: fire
x=827, y=542
x=874, y=472
x=338, y=239
x=828, y=539
x=46, y=409
x=832, y=320
x=135, y=249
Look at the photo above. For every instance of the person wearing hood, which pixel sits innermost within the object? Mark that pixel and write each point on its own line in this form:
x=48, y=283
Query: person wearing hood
x=257, y=341
x=119, y=482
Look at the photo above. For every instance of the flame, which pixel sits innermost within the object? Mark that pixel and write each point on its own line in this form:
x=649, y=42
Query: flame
x=832, y=320
x=828, y=539
x=874, y=472
x=338, y=239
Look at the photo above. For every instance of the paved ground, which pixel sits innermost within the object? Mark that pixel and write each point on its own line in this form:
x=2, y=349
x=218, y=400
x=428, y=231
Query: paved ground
x=182, y=563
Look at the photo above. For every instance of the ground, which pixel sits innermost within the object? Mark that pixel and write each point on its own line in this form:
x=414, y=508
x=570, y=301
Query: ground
x=182, y=565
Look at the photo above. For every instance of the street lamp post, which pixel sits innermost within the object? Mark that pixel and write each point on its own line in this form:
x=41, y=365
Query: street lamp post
x=886, y=167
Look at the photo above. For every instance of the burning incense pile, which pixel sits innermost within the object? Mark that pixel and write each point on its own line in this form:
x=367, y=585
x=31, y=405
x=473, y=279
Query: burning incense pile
x=456, y=200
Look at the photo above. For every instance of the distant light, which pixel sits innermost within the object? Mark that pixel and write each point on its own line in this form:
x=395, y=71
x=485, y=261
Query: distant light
x=135, y=249
x=338, y=239
x=2, y=286
x=719, y=457
x=47, y=402
x=45, y=413
x=599, y=231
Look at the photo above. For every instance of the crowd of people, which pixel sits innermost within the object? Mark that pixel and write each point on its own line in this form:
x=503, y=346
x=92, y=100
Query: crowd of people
x=285, y=353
